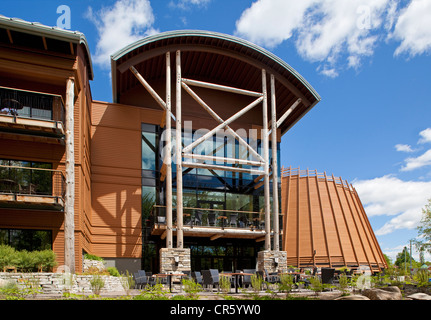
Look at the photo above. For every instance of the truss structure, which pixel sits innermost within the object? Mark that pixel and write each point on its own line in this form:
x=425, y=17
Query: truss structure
x=186, y=158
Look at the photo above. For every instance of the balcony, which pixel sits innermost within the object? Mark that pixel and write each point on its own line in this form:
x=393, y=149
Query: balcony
x=31, y=116
x=31, y=188
x=212, y=223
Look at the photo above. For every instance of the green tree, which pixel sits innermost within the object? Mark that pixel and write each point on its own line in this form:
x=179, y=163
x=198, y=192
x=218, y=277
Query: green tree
x=423, y=243
x=403, y=257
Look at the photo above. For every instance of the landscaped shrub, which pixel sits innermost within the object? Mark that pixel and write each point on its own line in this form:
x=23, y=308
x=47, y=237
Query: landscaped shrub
x=113, y=271
x=7, y=256
x=92, y=257
x=27, y=261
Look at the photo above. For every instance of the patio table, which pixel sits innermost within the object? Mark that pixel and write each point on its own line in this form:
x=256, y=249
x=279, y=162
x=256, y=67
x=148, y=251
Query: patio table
x=169, y=277
x=236, y=275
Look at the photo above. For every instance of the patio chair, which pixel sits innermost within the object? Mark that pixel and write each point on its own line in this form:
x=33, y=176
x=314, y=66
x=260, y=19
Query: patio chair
x=161, y=220
x=139, y=281
x=197, y=276
x=198, y=218
x=328, y=275
x=246, y=279
x=210, y=278
x=271, y=277
x=211, y=219
x=233, y=219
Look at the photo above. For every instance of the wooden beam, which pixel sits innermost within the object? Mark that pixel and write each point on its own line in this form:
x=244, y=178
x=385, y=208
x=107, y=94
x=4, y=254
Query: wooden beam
x=265, y=144
x=167, y=163
x=220, y=120
x=179, y=160
x=45, y=45
x=222, y=159
x=223, y=125
x=216, y=236
x=222, y=168
x=275, y=203
x=221, y=88
x=9, y=36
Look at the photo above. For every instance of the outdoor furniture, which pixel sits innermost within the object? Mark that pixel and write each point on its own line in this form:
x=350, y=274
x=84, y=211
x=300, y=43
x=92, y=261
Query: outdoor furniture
x=271, y=278
x=327, y=275
x=168, y=278
x=246, y=280
x=233, y=219
x=210, y=278
x=139, y=280
x=236, y=277
x=222, y=220
x=197, y=276
x=211, y=219
x=198, y=218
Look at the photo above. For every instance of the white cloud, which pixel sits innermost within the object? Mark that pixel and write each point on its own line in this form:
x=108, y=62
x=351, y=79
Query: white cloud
x=186, y=4
x=418, y=162
x=390, y=196
x=120, y=25
x=404, y=148
x=425, y=136
x=413, y=28
x=323, y=30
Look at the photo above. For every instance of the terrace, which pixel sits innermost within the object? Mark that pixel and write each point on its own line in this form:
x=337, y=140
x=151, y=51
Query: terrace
x=33, y=188
x=212, y=223
x=28, y=115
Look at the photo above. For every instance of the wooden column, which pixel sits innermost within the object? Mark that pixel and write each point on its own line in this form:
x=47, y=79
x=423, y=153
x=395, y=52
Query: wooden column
x=265, y=144
x=69, y=212
x=179, y=158
x=275, y=214
x=168, y=152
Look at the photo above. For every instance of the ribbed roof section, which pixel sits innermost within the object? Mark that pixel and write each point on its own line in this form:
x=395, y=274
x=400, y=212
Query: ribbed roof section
x=325, y=224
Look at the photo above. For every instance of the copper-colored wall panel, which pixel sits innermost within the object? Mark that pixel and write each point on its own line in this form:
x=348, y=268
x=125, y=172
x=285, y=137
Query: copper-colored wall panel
x=116, y=178
x=325, y=224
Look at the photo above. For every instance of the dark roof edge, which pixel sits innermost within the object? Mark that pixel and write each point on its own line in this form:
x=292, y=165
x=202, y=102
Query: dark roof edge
x=39, y=29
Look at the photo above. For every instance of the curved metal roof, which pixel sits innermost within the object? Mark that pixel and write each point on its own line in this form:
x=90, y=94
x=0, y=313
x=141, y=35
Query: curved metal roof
x=228, y=57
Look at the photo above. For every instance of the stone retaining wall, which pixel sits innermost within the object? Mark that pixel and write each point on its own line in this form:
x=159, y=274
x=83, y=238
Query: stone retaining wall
x=57, y=283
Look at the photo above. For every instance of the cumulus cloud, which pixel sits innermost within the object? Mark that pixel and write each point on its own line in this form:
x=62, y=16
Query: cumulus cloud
x=413, y=28
x=425, y=136
x=391, y=196
x=323, y=30
x=120, y=25
x=417, y=162
x=404, y=148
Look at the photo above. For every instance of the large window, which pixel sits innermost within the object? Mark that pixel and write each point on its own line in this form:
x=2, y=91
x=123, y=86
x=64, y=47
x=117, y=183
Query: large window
x=17, y=176
x=202, y=188
x=24, y=239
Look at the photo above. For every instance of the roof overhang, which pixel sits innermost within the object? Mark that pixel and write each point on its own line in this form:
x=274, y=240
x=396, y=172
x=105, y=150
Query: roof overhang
x=40, y=30
x=217, y=58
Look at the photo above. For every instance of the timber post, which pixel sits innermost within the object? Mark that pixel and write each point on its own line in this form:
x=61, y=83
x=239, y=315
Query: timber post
x=69, y=211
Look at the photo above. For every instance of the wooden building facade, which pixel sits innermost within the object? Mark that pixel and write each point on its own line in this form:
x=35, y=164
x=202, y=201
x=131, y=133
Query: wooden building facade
x=78, y=175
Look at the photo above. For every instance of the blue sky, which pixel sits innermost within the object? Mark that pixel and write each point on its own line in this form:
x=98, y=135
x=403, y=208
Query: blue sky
x=368, y=59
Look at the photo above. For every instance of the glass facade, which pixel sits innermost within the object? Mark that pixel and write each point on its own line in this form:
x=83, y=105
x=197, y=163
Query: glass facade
x=202, y=188
x=16, y=177
x=24, y=239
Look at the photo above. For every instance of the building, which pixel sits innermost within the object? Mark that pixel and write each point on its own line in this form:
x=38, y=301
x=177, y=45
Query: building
x=83, y=176
x=325, y=223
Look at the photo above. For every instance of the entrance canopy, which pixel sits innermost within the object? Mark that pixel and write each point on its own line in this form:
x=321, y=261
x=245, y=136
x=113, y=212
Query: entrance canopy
x=216, y=58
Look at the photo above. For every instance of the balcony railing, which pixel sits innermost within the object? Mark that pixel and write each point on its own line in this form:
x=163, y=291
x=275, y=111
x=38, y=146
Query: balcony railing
x=212, y=218
x=20, y=104
x=37, y=183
